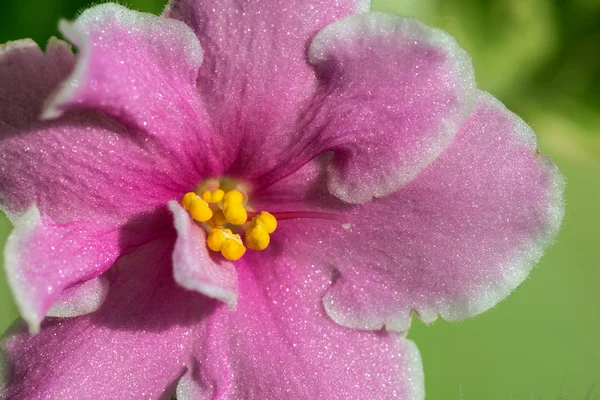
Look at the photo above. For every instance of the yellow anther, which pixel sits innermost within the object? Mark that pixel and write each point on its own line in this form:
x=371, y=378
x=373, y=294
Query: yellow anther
x=206, y=196
x=224, y=208
x=265, y=220
x=257, y=235
x=233, y=207
x=233, y=249
x=233, y=197
x=216, y=238
x=228, y=243
x=213, y=197
x=200, y=210
x=187, y=199
x=218, y=219
x=236, y=214
x=257, y=238
x=217, y=196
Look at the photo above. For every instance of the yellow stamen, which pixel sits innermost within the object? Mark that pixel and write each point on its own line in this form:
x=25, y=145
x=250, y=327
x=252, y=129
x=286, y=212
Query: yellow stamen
x=217, y=196
x=233, y=197
x=216, y=238
x=197, y=207
x=235, y=214
x=187, y=199
x=233, y=208
x=229, y=244
x=266, y=220
x=206, y=195
x=213, y=197
x=233, y=249
x=257, y=238
x=218, y=219
x=220, y=208
x=200, y=210
x=257, y=235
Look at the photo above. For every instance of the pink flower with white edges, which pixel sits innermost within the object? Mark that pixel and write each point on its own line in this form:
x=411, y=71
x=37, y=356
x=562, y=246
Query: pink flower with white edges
x=319, y=112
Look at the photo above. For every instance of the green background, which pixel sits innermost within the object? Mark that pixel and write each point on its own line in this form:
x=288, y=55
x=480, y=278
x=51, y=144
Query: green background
x=542, y=58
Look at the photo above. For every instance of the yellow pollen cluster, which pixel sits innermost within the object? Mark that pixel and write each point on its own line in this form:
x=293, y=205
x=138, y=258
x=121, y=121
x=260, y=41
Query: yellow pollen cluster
x=198, y=208
x=218, y=208
x=233, y=208
x=229, y=244
x=213, y=197
x=218, y=219
x=257, y=235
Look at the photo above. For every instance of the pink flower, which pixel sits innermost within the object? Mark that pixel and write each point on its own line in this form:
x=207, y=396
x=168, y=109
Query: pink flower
x=372, y=119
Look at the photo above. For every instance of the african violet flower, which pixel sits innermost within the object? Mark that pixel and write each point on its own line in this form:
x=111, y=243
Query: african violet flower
x=317, y=112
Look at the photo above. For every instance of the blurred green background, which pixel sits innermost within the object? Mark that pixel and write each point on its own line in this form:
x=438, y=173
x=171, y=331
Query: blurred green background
x=541, y=58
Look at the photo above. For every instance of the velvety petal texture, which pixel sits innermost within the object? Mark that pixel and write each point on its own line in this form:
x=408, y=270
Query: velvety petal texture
x=454, y=241
x=393, y=93
x=43, y=258
x=136, y=67
x=373, y=119
x=136, y=346
x=255, y=78
x=141, y=70
x=97, y=185
x=80, y=299
x=193, y=266
x=80, y=166
x=278, y=343
x=151, y=338
x=150, y=334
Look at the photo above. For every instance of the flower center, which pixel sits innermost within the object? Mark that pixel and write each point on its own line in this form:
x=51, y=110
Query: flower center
x=220, y=208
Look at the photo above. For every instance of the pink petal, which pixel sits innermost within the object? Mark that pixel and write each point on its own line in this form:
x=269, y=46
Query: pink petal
x=136, y=67
x=279, y=344
x=454, y=241
x=81, y=299
x=81, y=166
x=193, y=267
x=135, y=347
x=43, y=258
x=393, y=94
x=255, y=77
x=141, y=70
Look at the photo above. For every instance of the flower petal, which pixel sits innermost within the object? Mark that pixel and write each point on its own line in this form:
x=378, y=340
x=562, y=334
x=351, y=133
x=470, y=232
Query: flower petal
x=43, y=258
x=193, y=267
x=81, y=166
x=81, y=299
x=393, y=94
x=453, y=242
x=255, y=77
x=279, y=344
x=138, y=68
x=136, y=346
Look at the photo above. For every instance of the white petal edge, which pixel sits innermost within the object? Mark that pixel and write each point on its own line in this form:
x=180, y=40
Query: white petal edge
x=183, y=222
x=523, y=261
x=415, y=370
x=81, y=299
x=364, y=6
x=24, y=227
x=378, y=24
x=189, y=389
x=67, y=89
x=76, y=33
